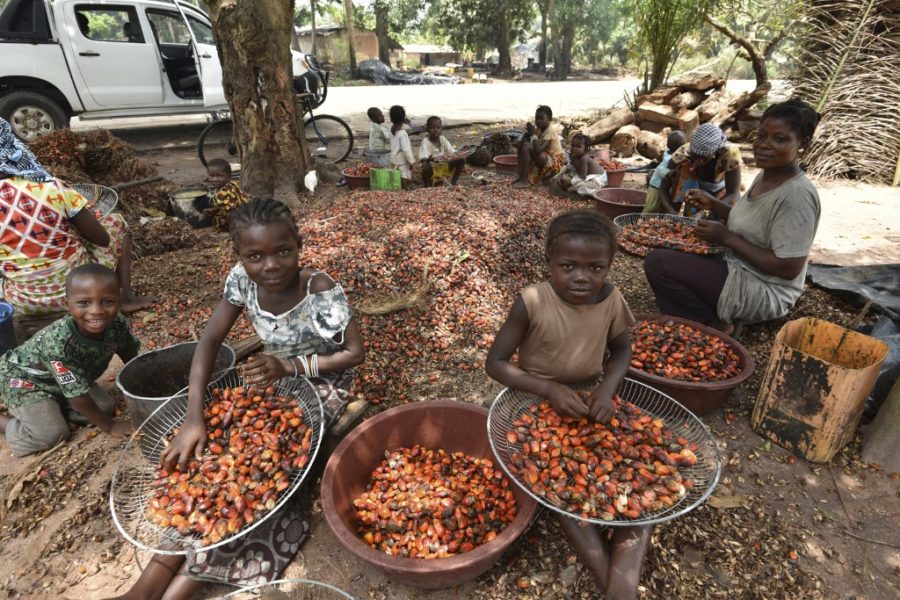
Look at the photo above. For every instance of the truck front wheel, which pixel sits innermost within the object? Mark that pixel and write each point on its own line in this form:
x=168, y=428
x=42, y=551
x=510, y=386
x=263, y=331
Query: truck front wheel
x=32, y=114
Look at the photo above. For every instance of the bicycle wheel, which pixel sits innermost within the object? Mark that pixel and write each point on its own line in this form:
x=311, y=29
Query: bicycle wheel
x=217, y=141
x=328, y=137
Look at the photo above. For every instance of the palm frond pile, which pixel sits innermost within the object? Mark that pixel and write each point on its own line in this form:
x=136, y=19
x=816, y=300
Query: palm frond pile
x=849, y=70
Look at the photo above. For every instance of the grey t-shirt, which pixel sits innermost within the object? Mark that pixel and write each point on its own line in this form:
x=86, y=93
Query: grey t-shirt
x=783, y=220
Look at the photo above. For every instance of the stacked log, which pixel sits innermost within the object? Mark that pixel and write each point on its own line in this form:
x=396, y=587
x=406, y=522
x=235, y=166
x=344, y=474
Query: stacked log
x=682, y=105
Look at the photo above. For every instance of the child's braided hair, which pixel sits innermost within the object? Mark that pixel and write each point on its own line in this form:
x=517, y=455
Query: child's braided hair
x=583, y=139
x=582, y=223
x=262, y=211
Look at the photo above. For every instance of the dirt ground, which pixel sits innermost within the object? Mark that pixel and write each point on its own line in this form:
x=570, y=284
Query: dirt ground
x=776, y=527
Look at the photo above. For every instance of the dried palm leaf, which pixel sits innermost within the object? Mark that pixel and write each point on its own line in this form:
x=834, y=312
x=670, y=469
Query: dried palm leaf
x=847, y=68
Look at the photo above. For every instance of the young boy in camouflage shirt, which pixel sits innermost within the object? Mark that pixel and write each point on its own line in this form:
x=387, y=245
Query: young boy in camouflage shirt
x=50, y=379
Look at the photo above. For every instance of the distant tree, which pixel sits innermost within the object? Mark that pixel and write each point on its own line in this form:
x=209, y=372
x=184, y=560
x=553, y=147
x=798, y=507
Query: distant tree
x=478, y=24
x=545, y=7
x=662, y=26
x=393, y=17
x=351, y=43
x=600, y=19
x=564, y=20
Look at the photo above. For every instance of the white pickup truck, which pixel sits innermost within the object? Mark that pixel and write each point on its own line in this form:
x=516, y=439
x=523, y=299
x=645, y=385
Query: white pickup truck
x=106, y=58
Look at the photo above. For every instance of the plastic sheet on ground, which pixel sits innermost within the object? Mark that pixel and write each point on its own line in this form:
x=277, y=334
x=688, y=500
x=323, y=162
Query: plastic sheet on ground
x=378, y=72
x=879, y=284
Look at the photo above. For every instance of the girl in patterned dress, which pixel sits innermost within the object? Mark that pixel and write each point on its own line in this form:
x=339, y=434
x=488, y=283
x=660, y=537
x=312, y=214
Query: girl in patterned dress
x=541, y=154
x=308, y=329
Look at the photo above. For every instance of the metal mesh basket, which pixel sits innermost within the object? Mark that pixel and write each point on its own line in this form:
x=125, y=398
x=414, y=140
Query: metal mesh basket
x=461, y=154
x=130, y=490
x=510, y=404
x=657, y=242
x=487, y=176
x=290, y=589
x=100, y=198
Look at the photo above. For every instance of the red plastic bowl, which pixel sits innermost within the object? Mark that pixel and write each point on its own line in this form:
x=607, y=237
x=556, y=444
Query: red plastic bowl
x=701, y=398
x=614, y=179
x=355, y=182
x=507, y=162
x=453, y=426
x=615, y=202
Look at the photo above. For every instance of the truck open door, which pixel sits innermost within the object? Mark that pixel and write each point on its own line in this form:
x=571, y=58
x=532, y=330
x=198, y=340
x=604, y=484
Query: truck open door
x=207, y=59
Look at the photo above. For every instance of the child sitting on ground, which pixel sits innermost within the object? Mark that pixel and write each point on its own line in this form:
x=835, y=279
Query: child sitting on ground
x=50, y=380
x=226, y=193
x=434, y=148
x=653, y=204
x=562, y=329
x=541, y=154
x=582, y=175
x=402, y=157
x=308, y=329
x=379, y=134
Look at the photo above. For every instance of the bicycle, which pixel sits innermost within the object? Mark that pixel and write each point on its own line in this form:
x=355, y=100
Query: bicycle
x=326, y=136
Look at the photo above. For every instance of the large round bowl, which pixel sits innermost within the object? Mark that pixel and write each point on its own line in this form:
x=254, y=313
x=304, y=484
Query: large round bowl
x=615, y=201
x=507, y=162
x=701, y=398
x=355, y=181
x=453, y=426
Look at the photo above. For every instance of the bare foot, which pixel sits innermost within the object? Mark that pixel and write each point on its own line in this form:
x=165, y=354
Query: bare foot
x=726, y=328
x=520, y=184
x=132, y=303
x=4, y=421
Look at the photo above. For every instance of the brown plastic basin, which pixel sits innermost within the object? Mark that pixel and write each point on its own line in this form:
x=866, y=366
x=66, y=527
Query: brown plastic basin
x=615, y=178
x=507, y=162
x=615, y=201
x=453, y=426
x=355, y=182
x=701, y=398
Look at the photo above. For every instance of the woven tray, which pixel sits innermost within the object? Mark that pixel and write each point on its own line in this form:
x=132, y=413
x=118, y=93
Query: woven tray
x=511, y=404
x=131, y=487
x=101, y=199
x=624, y=222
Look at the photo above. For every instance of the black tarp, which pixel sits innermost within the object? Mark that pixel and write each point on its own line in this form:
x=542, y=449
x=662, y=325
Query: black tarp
x=880, y=285
x=375, y=70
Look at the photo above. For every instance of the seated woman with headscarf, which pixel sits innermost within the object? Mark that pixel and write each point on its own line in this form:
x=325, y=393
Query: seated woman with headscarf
x=45, y=233
x=708, y=163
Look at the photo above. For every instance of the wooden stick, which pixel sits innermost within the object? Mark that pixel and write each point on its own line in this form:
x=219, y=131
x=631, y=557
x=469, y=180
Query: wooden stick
x=128, y=184
x=865, y=539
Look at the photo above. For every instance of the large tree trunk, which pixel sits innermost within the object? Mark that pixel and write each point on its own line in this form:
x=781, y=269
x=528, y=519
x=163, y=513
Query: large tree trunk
x=546, y=7
x=504, y=63
x=253, y=38
x=563, y=62
x=351, y=36
x=381, y=31
x=312, y=12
